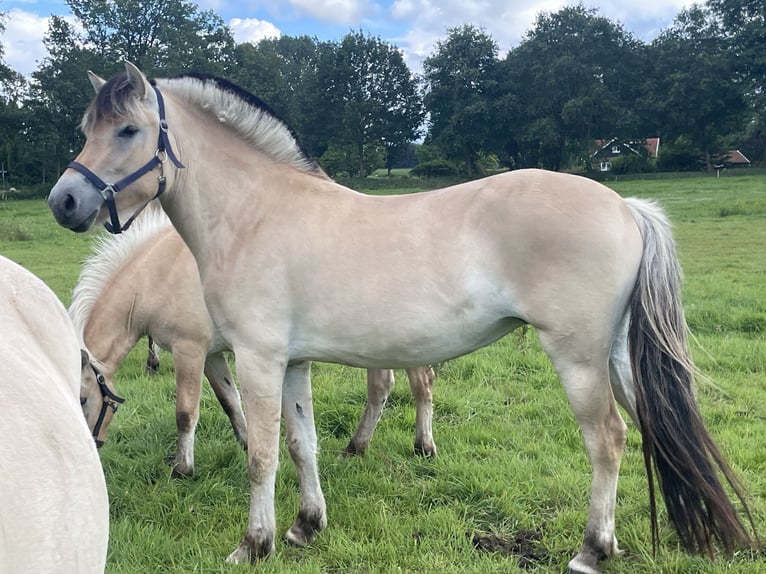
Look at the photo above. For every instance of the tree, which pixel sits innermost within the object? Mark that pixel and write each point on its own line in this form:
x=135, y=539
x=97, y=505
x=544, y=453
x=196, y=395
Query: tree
x=371, y=95
x=12, y=87
x=161, y=36
x=157, y=35
x=576, y=78
x=694, y=88
x=283, y=72
x=743, y=24
x=460, y=87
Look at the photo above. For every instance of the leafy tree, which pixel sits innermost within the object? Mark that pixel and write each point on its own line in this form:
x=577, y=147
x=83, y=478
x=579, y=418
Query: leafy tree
x=12, y=86
x=575, y=78
x=460, y=88
x=360, y=86
x=59, y=94
x=283, y=72
x=341, y=160
x=170, y=36
x=161, y=36
x=370, y=95
x=743, y=24
x=694, y=89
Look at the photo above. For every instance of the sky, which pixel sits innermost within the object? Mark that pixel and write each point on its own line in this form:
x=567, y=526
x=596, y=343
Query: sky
x=415, y=26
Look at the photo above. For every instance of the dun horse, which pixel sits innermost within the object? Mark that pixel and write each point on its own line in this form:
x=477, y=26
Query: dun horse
x=54, y=511
x=146, y=282
x=297, y=268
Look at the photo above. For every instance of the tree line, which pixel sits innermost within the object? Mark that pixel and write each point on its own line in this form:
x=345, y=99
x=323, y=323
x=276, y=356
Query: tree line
x=356, y=106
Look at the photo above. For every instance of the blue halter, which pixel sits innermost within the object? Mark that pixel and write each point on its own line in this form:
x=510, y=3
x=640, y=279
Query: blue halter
x=107, y=190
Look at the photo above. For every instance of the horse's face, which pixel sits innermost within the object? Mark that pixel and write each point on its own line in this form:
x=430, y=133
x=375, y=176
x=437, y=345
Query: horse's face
x=92, y=401
x=121, y=127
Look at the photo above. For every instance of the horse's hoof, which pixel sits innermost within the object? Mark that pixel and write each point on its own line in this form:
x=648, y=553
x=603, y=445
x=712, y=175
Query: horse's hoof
x=351, y=450
x=250, y=552
x=180, y=472
x=583, y=563
x=425, y=450
x=305, y=529
x=239, y=556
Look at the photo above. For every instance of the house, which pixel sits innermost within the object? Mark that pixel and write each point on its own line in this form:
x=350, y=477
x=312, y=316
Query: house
x=732, y=158
x=609, y=150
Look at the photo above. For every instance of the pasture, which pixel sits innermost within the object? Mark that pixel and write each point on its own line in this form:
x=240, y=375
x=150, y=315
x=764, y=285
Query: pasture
x=509, y=490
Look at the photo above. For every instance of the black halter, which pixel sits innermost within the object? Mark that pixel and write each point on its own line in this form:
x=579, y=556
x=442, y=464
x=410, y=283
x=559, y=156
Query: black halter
x=110, y=400
x=107, y=190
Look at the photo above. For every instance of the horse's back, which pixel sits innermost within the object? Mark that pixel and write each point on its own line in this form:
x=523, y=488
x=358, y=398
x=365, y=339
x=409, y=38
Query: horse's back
x=55, y=515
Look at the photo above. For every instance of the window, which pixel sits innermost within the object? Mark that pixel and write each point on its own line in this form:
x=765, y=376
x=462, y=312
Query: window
x=615, y=149
x=605, y=165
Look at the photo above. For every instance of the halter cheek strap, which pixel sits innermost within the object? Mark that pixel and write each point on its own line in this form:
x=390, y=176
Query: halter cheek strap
x=110, y=400
x=107, y=190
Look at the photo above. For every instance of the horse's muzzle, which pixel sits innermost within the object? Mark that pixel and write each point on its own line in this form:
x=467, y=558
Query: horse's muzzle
x=71, y=213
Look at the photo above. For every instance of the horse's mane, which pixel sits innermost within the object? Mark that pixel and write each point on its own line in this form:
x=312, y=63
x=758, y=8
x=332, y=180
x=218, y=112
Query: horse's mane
x=108, y=256
x=245, y=113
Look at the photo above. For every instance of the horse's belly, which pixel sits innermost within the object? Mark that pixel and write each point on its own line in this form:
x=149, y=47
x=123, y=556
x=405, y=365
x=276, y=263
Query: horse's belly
x=379, y=343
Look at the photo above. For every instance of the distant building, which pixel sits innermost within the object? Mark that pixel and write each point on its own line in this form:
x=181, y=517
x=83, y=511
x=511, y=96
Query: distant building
x=732, y=158
x=609, y=150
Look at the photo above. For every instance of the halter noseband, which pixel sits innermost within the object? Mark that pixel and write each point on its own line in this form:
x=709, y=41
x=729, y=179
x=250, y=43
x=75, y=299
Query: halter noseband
x=110, y=400
x=107, y=190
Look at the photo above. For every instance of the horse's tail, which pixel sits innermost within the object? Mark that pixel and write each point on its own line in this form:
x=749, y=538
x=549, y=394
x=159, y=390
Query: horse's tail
x=675, y=441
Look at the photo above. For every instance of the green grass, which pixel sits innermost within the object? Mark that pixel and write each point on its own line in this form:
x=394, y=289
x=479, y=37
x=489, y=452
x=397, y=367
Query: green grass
x=510, y=454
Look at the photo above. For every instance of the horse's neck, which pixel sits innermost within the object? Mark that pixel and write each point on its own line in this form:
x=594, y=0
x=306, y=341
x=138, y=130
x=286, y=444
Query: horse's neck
x=110, y=333
x=218, y=190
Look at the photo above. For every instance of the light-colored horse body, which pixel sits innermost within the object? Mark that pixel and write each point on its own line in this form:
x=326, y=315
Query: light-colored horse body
x=146, y=282
x=54, y=510
x=297, y=268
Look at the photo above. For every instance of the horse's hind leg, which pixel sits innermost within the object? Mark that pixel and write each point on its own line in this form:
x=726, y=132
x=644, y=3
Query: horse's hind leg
x=421, y=383
x=152, y=357
x=298, y=411
x=219, y=375
x=188, y=361
x=584, y=372
x=379, y=385
x=621, y=374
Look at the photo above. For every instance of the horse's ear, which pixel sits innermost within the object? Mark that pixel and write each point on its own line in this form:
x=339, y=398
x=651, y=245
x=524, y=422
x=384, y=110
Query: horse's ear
x=137, y=80
x=96, y=81
x=84, y=358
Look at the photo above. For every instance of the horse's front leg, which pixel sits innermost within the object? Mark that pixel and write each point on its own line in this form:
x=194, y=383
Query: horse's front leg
x=297, y=408
x=260, y=380
x=379, y=385
x=188, y=361
x=421, y=383
x=219, y=375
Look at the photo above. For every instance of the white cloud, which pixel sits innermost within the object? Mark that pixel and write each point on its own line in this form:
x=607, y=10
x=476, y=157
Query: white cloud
x=424, y=22
x=348, y=12
x=252, y=30
x=23, y=41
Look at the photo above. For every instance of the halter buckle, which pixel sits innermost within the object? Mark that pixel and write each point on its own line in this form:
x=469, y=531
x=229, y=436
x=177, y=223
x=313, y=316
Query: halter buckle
x=108, y=192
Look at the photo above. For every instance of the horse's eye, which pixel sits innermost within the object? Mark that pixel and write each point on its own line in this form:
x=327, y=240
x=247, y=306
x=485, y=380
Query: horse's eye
x=83, y=400
x=128, y=132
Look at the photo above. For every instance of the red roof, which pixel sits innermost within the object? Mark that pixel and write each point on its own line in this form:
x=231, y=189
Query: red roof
x=652, y=145
x=735, y=157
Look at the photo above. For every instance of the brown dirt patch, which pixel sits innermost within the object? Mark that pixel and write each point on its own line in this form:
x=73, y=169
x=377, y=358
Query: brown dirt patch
x=523, y=544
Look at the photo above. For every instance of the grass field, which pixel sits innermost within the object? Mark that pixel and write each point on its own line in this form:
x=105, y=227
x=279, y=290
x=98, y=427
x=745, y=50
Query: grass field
x=511, y=462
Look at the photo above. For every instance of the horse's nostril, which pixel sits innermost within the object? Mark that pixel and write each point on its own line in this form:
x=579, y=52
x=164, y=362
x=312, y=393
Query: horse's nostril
x=69, y=203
